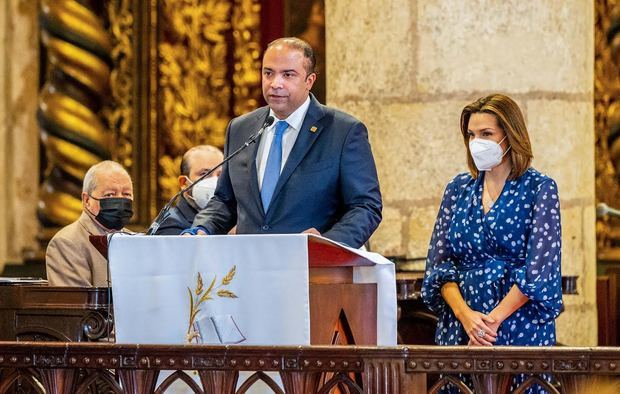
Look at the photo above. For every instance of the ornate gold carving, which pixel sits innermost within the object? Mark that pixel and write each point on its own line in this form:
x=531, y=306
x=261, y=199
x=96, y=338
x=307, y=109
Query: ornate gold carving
x=247, y=55
x=194, y=89
x=181, y=69
x=206, y=77
x=72, y=132
x=170, y=170
x=607, y=118
x=122, y=78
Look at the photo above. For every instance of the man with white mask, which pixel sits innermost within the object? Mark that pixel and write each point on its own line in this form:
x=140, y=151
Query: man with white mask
x=196, y=162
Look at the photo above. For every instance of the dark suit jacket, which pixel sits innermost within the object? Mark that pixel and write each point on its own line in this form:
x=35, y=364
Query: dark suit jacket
x=329, y=181
x=179, y=218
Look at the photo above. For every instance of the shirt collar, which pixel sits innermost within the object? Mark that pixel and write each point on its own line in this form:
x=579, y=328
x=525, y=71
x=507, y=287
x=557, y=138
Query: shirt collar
x=296, y=119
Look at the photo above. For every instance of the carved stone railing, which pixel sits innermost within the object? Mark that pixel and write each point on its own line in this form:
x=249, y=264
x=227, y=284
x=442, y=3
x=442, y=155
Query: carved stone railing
x=99, y=367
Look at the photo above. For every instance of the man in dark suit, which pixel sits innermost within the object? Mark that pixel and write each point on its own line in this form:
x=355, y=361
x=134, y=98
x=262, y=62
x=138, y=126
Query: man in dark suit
x=195, y=162
x=312, y=171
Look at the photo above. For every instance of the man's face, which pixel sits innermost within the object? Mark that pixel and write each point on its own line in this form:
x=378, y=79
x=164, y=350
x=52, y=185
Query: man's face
x=199, y=163
x=108, y=184
x=286, y=84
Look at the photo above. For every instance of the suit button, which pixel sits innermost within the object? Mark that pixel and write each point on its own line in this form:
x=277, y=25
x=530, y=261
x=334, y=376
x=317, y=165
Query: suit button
x=265, y=227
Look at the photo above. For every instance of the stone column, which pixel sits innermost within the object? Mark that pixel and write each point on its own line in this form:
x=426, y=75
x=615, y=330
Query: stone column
x=407, y=68
x=19, y=136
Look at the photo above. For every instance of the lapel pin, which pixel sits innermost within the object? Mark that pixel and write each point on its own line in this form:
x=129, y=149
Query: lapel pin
x=313, y=129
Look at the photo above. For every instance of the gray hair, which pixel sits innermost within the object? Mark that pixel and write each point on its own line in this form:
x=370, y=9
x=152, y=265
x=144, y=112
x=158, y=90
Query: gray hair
x=185, y=160
x=90, y=179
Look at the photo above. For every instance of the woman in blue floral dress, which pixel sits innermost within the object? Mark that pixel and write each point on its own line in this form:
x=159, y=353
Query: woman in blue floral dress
x=493, y=267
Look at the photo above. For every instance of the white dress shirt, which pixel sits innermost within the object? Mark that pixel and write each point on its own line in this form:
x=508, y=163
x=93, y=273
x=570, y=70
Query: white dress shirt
x=295, y=120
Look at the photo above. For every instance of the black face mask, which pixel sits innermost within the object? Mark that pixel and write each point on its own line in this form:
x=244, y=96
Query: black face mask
x=114, y=212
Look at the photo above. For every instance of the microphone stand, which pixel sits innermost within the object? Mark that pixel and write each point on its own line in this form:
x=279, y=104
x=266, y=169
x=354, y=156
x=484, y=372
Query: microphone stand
x=603, y=210
x=164, y=212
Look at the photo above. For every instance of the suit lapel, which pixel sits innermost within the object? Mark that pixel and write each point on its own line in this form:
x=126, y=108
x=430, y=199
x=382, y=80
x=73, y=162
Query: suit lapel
x=257, y=123
x=305, y=139
x=90, y=225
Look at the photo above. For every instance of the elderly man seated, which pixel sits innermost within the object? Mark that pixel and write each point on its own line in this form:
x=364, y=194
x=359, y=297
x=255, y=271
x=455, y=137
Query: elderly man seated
x=107, y=199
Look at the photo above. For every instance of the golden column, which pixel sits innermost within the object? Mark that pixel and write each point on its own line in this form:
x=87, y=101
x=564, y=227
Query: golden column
x=76, y=82
x=139, y=82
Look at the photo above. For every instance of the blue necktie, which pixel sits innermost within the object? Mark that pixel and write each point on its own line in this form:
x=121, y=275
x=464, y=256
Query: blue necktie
x=274, y=164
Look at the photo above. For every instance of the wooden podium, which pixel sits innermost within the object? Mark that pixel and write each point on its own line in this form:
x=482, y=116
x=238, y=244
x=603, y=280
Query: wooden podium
x=42, y=313
x=341, y=312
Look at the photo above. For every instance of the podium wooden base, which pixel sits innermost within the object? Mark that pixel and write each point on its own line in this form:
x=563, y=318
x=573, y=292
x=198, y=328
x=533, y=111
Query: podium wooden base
x=341, y=312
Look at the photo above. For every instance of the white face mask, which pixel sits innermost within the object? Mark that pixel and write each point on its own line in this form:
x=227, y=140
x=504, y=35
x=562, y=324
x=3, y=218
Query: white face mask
x=486, y=153
x=203, y=191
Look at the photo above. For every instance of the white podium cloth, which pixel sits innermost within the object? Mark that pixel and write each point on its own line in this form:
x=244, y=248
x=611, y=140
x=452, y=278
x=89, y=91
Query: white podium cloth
x=384, y=275
x=151, y=275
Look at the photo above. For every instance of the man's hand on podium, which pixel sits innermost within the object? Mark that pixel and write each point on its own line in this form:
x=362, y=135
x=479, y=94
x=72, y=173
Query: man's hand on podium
x=194, y=231
x=201, y=231
x=312, y=231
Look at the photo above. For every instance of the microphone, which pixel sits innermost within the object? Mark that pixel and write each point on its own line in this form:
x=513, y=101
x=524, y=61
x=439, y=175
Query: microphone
x=163, y=214
x=603, y=209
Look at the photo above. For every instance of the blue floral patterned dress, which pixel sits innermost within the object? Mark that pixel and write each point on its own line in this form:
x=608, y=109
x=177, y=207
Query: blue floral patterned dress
x=517, y=242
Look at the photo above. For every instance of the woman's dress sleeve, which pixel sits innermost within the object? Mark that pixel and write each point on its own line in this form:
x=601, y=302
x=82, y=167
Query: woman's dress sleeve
x=540, y=278
x=440, y=264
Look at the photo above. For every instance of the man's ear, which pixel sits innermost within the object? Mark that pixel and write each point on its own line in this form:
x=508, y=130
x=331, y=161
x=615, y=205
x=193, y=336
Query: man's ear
x=310, y=79
x=183, y=181
x=85, y=199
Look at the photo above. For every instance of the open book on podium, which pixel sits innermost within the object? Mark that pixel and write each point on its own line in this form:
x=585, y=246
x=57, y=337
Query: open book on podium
x=350, y=299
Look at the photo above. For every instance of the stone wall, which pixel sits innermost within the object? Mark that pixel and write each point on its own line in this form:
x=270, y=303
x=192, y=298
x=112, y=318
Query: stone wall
x=407, y=68
x=19, y=136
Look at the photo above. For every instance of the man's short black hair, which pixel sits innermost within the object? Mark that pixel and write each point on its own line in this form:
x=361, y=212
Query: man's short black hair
x=185, y=160
x=300, y=45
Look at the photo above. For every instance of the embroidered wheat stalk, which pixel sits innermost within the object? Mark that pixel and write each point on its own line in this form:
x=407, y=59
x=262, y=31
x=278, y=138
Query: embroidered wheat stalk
x=198, y=297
